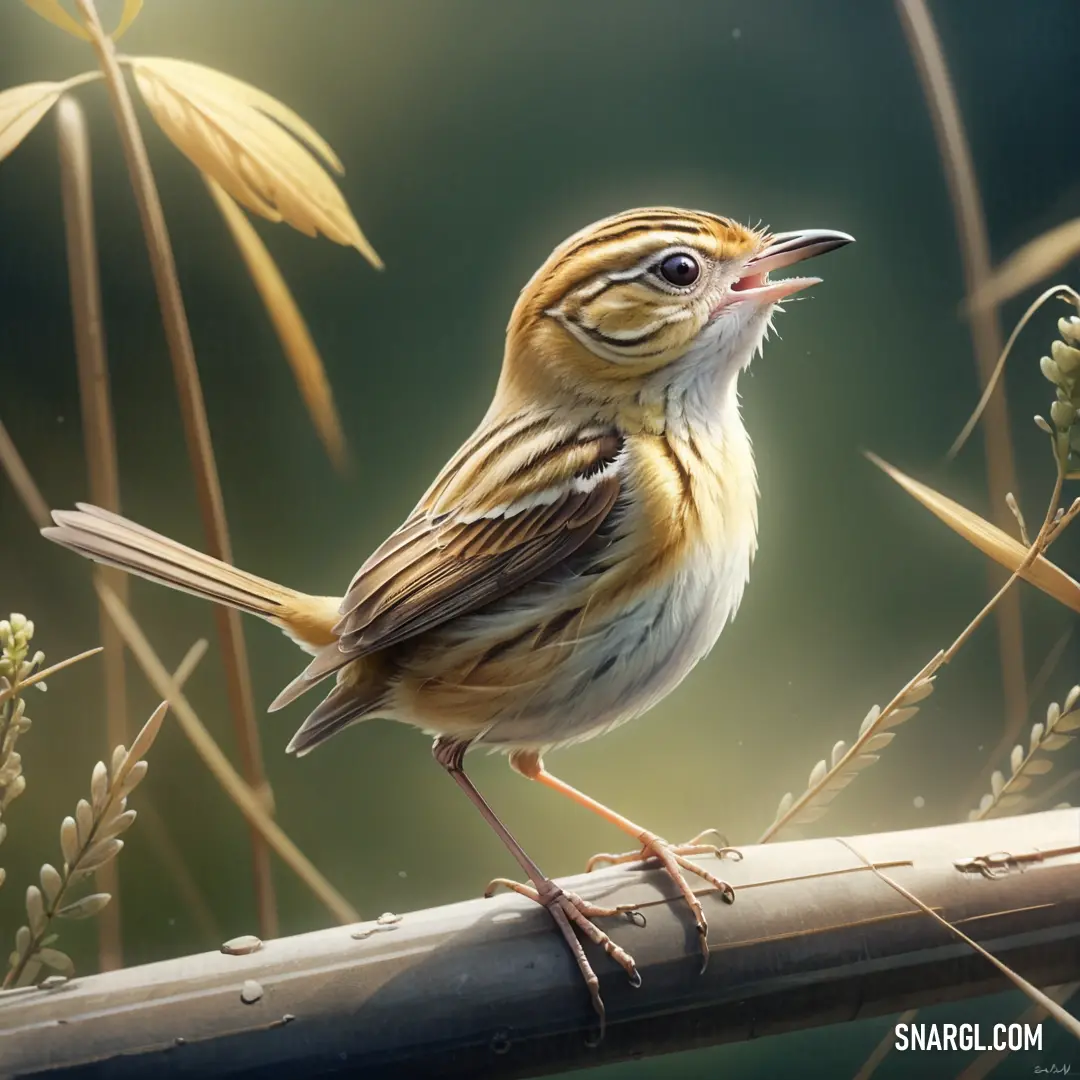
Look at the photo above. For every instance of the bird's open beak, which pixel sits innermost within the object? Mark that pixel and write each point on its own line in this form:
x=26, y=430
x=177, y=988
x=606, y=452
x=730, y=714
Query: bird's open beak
x=785, y=249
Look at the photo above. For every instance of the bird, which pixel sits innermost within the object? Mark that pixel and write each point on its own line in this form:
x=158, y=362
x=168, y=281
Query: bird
x=576, y=557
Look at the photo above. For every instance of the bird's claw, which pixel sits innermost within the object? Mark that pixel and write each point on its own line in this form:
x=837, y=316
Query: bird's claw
x=675, y=858
x=574, y=913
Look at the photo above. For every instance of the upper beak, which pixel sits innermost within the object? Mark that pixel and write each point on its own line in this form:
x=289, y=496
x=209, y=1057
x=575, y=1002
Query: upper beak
x=785, y=249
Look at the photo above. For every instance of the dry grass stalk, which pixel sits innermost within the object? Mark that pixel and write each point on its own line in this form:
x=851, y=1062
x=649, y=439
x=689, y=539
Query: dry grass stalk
x=1051, y=530
x=163, y=845
x=829, y=778
x=1030, y=264
x=21, y=480
x=1062, y=370
x=985, y=326
x=161, y=841
x=885, y=1046
x=826, y=781
x=249, y=143
x=989, y=539
x=9, y=690
x=88, y=841
x=197, y=434
x=248, y=800
x=99, y=441
x=1063, y=291
x=1044, y=1001
x=289, y=323
x=1045, y=738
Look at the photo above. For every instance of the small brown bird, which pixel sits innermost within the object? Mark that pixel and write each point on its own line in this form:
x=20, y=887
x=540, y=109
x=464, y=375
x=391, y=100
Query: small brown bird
x=581, y=551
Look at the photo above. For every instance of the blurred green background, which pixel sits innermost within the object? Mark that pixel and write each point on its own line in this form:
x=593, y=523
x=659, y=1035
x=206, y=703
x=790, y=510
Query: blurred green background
x=477, y=134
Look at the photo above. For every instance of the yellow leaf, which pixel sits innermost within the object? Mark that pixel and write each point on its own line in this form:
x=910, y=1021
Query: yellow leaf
x=52, y=11
x=127, y=17
x=249, y=143
x=989, y=539
x=21, y=108
x=289, y=323
x=1036, y=260
x=228, y=87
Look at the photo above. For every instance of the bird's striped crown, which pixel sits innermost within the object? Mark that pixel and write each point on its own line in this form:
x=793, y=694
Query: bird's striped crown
x=622, y=298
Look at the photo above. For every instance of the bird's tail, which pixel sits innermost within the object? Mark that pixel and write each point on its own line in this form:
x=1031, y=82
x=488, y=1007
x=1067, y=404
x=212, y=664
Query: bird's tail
x=108, y=538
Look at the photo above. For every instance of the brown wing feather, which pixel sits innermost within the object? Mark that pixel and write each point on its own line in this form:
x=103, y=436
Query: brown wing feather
x=448, y=560
x=476, y=568
x=468, y=543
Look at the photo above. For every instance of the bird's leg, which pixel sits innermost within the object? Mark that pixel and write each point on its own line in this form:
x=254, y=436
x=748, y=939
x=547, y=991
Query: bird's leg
x=566, y=908
x=674, y=858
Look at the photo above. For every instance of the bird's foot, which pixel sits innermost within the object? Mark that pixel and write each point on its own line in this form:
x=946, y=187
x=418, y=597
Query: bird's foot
x=573, y=913
x=674, y=859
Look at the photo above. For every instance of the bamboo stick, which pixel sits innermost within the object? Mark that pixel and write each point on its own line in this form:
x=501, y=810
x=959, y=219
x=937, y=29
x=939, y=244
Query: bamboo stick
x=487, y=987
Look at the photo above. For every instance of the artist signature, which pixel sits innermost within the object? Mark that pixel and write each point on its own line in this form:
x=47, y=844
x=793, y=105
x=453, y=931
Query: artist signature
x=1053, y=1070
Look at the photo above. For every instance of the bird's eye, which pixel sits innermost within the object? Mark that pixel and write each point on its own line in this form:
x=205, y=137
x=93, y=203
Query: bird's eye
x=680, y=270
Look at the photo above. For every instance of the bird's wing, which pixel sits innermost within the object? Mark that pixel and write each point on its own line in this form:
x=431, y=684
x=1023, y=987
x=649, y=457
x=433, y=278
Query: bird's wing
x=519, y=497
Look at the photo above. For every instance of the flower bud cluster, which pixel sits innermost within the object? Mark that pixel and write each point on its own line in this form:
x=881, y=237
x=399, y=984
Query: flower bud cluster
x=16, y=666
x=1062, y=368
x=15, y=635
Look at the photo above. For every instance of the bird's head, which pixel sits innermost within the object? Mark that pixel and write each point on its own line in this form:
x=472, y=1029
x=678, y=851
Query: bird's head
x=640, y=297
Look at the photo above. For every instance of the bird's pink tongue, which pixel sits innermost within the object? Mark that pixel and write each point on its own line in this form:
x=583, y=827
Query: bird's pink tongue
x=751, y=281
x=758, y=289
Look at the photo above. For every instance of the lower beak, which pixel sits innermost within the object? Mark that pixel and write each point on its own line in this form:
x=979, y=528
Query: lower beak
x=785, y=249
